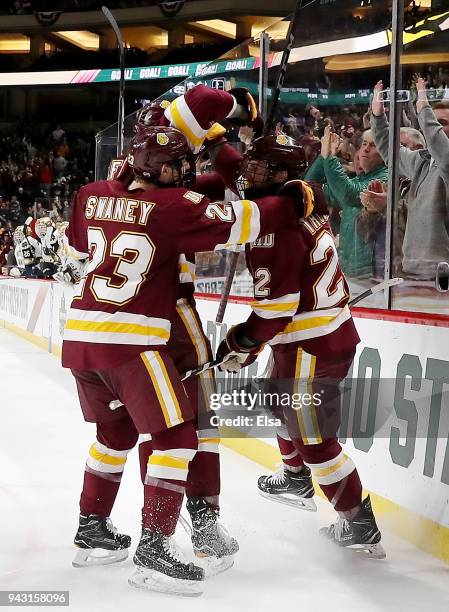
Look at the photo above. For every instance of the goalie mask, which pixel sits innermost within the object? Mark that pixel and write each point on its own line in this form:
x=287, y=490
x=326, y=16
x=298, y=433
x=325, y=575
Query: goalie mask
x=19, y=235
x=154, y=147
x=42, y=226
x=269, y=162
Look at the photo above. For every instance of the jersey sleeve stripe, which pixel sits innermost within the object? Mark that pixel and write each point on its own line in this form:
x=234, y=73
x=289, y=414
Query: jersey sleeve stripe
x=181, y=117
x=246, y=227
x=307, y=325
x=186, y=271
x=284, y=306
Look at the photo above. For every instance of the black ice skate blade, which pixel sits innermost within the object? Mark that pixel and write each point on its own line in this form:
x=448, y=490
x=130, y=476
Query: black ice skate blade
x=154, y=581
x=302, y=503
x=94, y=557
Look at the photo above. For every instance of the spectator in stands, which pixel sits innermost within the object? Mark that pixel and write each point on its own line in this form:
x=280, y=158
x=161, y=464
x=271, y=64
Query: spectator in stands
x=45, y=177
x=57, y=134
x=371, y=222
x=356, y=256
x=64, y=148
x=59, y=165
x=426, y=240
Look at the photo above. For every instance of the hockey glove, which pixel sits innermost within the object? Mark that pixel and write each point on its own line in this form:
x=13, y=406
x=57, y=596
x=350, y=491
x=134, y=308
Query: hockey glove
x=302, y=193
x=71, y=272
x=237, y=350
x=246, y=112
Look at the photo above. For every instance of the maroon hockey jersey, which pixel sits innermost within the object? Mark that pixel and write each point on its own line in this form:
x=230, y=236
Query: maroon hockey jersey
x=300, y=292
x=134, y=238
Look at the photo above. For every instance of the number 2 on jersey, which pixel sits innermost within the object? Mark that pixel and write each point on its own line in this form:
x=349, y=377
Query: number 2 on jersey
x=327, y=293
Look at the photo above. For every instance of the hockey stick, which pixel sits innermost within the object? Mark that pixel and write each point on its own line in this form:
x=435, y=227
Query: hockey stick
x=376, y=289
x=267, y=128
x=233, y=259
x=390, y=282
x=290, y=39
x=121, y=98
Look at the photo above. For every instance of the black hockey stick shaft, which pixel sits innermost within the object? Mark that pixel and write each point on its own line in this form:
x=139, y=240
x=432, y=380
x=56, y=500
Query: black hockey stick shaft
x=227, y=287
x=121, y=98
x=283, y=68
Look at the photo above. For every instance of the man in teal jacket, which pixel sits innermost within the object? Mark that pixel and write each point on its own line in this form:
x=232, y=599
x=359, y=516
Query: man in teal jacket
x=356, y=256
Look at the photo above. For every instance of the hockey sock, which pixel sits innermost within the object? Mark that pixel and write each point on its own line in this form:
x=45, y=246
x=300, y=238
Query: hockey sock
x=335, y=472
x=166, y=477
x=145, y=450
x=204, y=470
x=105, y=465
x=291, y=457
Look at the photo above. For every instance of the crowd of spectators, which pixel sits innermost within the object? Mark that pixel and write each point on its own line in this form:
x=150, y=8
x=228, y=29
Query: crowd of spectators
x=347, y=153
x=40, y=172
x=349, y=159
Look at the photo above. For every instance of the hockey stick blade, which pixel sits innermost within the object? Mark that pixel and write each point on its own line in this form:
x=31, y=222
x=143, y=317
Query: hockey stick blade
x=200, y=369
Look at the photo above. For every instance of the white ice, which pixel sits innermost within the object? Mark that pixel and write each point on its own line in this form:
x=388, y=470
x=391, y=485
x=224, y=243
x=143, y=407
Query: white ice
x=283, y=564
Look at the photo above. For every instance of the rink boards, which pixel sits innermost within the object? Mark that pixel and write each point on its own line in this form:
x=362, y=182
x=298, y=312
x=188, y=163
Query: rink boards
x=395, y=417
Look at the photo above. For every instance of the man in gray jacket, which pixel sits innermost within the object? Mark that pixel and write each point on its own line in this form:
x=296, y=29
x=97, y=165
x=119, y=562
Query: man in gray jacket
x=426, y=240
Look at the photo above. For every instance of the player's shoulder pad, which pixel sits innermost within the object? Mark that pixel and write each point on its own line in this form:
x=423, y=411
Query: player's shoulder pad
x=193, y=196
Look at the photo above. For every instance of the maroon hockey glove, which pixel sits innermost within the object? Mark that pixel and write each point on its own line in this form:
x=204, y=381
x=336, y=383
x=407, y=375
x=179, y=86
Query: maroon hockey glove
x=246, y=113
x=238, y=350
x=302, y=193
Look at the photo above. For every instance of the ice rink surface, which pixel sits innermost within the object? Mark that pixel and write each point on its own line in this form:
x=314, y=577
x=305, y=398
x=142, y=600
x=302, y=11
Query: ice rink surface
x=282, y=564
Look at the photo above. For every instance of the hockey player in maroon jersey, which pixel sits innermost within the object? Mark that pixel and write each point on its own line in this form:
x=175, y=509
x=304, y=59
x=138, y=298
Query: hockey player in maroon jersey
x=117, y=331
x=300, y=309
x=189, y=348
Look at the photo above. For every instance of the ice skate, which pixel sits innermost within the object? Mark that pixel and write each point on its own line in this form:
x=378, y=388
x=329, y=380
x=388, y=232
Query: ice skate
x=99, y=542
x=360, y=534
x=212, y=544
x=161, y=567
x=290, y=488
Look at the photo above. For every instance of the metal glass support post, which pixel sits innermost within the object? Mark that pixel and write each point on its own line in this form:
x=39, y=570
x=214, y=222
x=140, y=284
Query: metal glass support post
x=263, y=74
x=394, y=137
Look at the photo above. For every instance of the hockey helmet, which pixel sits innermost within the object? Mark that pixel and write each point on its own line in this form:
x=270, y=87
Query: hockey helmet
x=150, y=114
x=280, y=152
x=42, y=225
x=18, y=235
x=153, y=147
